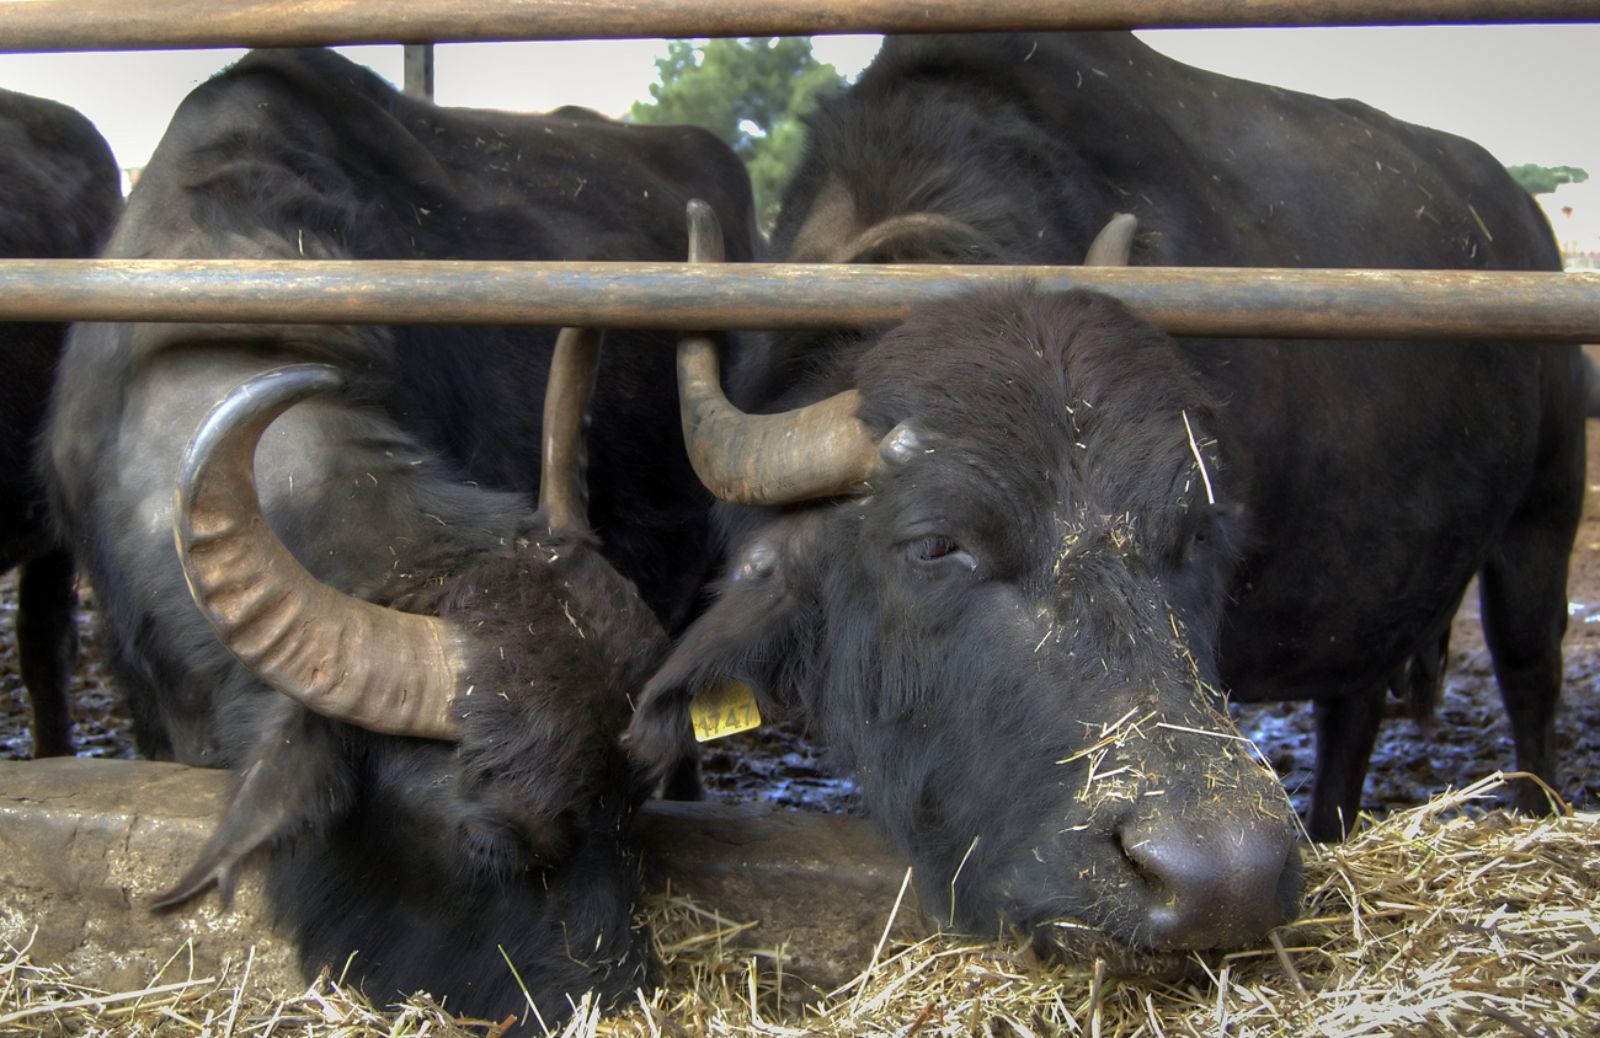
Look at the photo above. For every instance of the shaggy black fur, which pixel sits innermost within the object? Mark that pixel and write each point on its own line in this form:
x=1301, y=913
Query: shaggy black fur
x=999, y=599
x=516, y=842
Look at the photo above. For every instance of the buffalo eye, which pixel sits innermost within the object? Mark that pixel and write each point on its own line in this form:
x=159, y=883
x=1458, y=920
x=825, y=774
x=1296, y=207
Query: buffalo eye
x=1198, y=545
x=940, y=551
x=1192, y=544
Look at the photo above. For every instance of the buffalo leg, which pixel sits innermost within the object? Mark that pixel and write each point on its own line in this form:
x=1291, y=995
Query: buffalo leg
x=1347, y=729
x=1523, y=597
x=47, y=639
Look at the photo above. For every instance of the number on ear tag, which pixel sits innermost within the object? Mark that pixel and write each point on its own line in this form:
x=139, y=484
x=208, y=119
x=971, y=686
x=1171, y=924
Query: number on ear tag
x=724, y=709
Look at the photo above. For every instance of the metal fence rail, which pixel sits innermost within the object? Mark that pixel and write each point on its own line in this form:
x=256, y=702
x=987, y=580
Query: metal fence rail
x=120, y=25
x=1185, y=301
x=1200, y=301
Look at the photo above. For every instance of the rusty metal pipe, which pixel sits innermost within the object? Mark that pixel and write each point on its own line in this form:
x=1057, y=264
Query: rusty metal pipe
x=1197, y=301
x=115, y=25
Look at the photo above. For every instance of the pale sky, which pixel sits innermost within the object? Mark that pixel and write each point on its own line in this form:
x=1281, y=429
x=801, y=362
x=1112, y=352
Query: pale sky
x=1521, y=91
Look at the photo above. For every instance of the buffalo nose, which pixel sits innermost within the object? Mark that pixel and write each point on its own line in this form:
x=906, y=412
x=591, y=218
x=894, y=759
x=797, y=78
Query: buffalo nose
x=1214, y=886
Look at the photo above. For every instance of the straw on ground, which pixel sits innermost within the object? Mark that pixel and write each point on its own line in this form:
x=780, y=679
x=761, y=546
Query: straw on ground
x=1447, y=919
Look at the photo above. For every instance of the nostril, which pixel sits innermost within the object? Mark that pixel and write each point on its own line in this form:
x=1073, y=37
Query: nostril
x=1213, y=886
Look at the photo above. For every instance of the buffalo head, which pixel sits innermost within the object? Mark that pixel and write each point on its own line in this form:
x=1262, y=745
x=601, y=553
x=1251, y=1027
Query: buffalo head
x=999, y=608
x=455, y=781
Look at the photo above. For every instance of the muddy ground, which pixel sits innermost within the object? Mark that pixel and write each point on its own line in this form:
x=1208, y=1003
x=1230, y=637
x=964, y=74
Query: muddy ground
x=1470, y=737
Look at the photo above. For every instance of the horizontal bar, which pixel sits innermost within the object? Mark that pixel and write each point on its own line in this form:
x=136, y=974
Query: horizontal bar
x=1198, y=301
x=119, y=25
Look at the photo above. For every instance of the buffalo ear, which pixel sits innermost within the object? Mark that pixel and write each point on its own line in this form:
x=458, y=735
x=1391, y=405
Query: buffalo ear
x=755, y=633
x=289, y=776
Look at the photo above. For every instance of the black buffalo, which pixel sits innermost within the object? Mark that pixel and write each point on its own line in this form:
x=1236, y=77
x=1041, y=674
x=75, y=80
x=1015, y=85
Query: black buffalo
x=61, y=191
x=440, y=789
x=1024, y=539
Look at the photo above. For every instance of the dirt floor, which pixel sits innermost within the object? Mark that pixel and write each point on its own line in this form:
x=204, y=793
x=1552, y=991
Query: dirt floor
x=100, y=723
x=1470, y=737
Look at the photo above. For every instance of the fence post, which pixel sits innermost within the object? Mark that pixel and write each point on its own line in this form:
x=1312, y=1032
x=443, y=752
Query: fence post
x=419, y=70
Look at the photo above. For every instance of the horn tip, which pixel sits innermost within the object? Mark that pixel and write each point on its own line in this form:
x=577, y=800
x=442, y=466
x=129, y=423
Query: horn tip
x=705, y=233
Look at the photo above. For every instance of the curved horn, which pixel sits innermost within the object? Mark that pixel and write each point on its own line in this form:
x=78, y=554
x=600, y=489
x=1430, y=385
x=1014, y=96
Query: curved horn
x=338, y=655
x=563, y=489
x=820, y=450
x=1112, y=246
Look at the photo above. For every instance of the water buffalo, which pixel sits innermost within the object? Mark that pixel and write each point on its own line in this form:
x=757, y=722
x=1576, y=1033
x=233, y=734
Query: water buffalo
x=418, y=678
x=62, y=192
x=1003, y=556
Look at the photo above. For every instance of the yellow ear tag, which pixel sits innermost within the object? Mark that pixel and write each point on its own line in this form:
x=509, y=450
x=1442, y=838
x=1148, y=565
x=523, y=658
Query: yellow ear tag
x=724, y=709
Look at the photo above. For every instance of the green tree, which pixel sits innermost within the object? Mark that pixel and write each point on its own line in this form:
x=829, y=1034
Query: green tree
x=750, y=92
x=1537, y=180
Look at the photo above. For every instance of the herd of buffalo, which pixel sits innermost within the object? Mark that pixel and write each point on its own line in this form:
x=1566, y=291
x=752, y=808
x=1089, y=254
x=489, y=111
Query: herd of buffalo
x=1005, y=558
